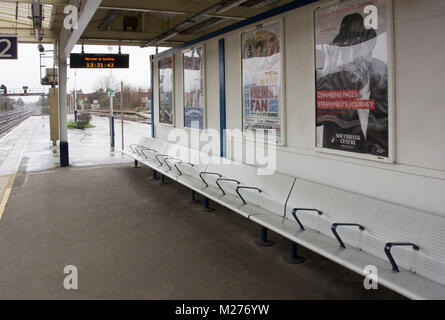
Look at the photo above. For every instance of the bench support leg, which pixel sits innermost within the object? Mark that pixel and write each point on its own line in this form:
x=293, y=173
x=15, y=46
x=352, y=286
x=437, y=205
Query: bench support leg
x=192, y=197
x=206, y=207
x=263, y=242
x=293, y=258
x=136, y=164
x=162, y=180
x=155, y=175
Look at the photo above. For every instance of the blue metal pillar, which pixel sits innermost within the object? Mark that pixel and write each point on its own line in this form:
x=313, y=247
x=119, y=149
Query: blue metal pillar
x=136, y=164
x=112, y=131
x=206, y=206
x=64, y=154
x=155, y=175
x=152, y=103
x=193, y=197
x=222, y=97
x=293, y=258
x=263, y=241
x=63, y=112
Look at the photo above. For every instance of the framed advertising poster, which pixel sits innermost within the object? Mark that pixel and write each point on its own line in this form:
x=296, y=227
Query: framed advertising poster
x=194, y=88
x=262, y=72
x=166, y=94
x=352, y=82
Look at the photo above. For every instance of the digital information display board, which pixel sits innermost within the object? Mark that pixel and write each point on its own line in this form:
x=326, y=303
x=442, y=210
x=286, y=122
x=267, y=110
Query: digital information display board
x=99, y=61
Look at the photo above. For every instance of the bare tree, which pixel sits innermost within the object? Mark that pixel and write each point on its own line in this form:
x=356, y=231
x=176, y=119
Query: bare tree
x=19, y=103
x=6, y=103
x=107, y=83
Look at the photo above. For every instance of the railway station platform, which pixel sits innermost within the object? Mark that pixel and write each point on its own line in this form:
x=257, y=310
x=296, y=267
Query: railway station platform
x=348, y=94
x=131, y=237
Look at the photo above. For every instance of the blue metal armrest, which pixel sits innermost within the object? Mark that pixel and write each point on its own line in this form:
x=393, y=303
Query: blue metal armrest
x=182, y=162
x=334, y=231
x=210, y=173
x=134, y=149
x=249, y=188
x=388, y=247
x=224, y=179
x=294, y=213
x=161, y=155
x=170, y=158
x=146, y=149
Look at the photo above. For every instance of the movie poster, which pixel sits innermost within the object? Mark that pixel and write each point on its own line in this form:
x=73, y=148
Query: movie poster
x=165, y=69
x=261, y=76
x=193, y=88
x=352, y=77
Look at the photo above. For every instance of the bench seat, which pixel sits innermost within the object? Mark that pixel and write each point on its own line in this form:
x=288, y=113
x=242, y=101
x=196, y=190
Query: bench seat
x=404, y=282
x=275, y=202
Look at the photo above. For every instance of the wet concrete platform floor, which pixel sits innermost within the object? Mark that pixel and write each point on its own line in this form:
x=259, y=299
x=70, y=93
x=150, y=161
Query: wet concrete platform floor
x=132, y=238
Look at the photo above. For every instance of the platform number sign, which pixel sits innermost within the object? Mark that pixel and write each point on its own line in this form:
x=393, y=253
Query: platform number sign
x=8, y=47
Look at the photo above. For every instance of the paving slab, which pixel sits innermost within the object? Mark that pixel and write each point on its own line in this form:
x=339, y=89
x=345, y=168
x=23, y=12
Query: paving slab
x=132, y=238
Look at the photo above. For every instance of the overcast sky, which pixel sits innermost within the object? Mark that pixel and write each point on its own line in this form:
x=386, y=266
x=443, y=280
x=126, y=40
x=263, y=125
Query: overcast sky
x=24, y=71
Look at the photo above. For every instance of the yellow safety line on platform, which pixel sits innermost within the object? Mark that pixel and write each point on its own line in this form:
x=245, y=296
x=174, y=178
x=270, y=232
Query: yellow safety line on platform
x=6, y=195
x=9, y=166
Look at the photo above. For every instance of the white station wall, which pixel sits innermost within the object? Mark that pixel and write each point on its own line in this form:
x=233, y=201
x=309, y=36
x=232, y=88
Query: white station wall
x=417, y=178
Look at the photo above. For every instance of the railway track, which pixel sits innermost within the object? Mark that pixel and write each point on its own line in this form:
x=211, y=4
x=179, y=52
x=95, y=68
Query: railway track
x=127, y=116
x=11, y=119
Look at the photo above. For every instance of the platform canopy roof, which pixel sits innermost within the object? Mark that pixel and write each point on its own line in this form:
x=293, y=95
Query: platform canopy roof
x=126, y=22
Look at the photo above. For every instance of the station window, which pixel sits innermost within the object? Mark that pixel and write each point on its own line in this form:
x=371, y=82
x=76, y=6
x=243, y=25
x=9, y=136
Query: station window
x=165, y=72
x=261, y=80
x=194, y=88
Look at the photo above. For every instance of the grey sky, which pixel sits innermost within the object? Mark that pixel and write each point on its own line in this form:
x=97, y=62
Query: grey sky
x=25, y=70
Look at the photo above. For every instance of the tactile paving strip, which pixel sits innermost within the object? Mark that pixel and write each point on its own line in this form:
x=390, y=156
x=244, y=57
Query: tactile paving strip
x=11, y=150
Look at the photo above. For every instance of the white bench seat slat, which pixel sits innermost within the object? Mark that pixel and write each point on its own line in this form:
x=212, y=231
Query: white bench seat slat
x=308, y=195
x=192, y=162
x=229, y=201
x=391, y=223
x=147, y=157
x=430, y=260
x=139, y=158
x=405, y=282
x=159, y=160
x=213, y=193
x=274, y=188
x=191, y=182
x=170, y=173
x=345, y=207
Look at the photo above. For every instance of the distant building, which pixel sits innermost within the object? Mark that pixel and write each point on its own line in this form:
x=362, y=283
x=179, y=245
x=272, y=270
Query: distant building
x=95, y=105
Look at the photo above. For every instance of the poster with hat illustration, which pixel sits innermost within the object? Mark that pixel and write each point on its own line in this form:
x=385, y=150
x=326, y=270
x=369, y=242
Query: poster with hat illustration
x=261, y=79
x=193, y=88
x=165, y=72
x=352, y=77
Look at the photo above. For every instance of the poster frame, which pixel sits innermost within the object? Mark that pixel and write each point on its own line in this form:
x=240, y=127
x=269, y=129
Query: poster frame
x=391, y=90
x=204, y=84
x=162, y=124
x=282, y=105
